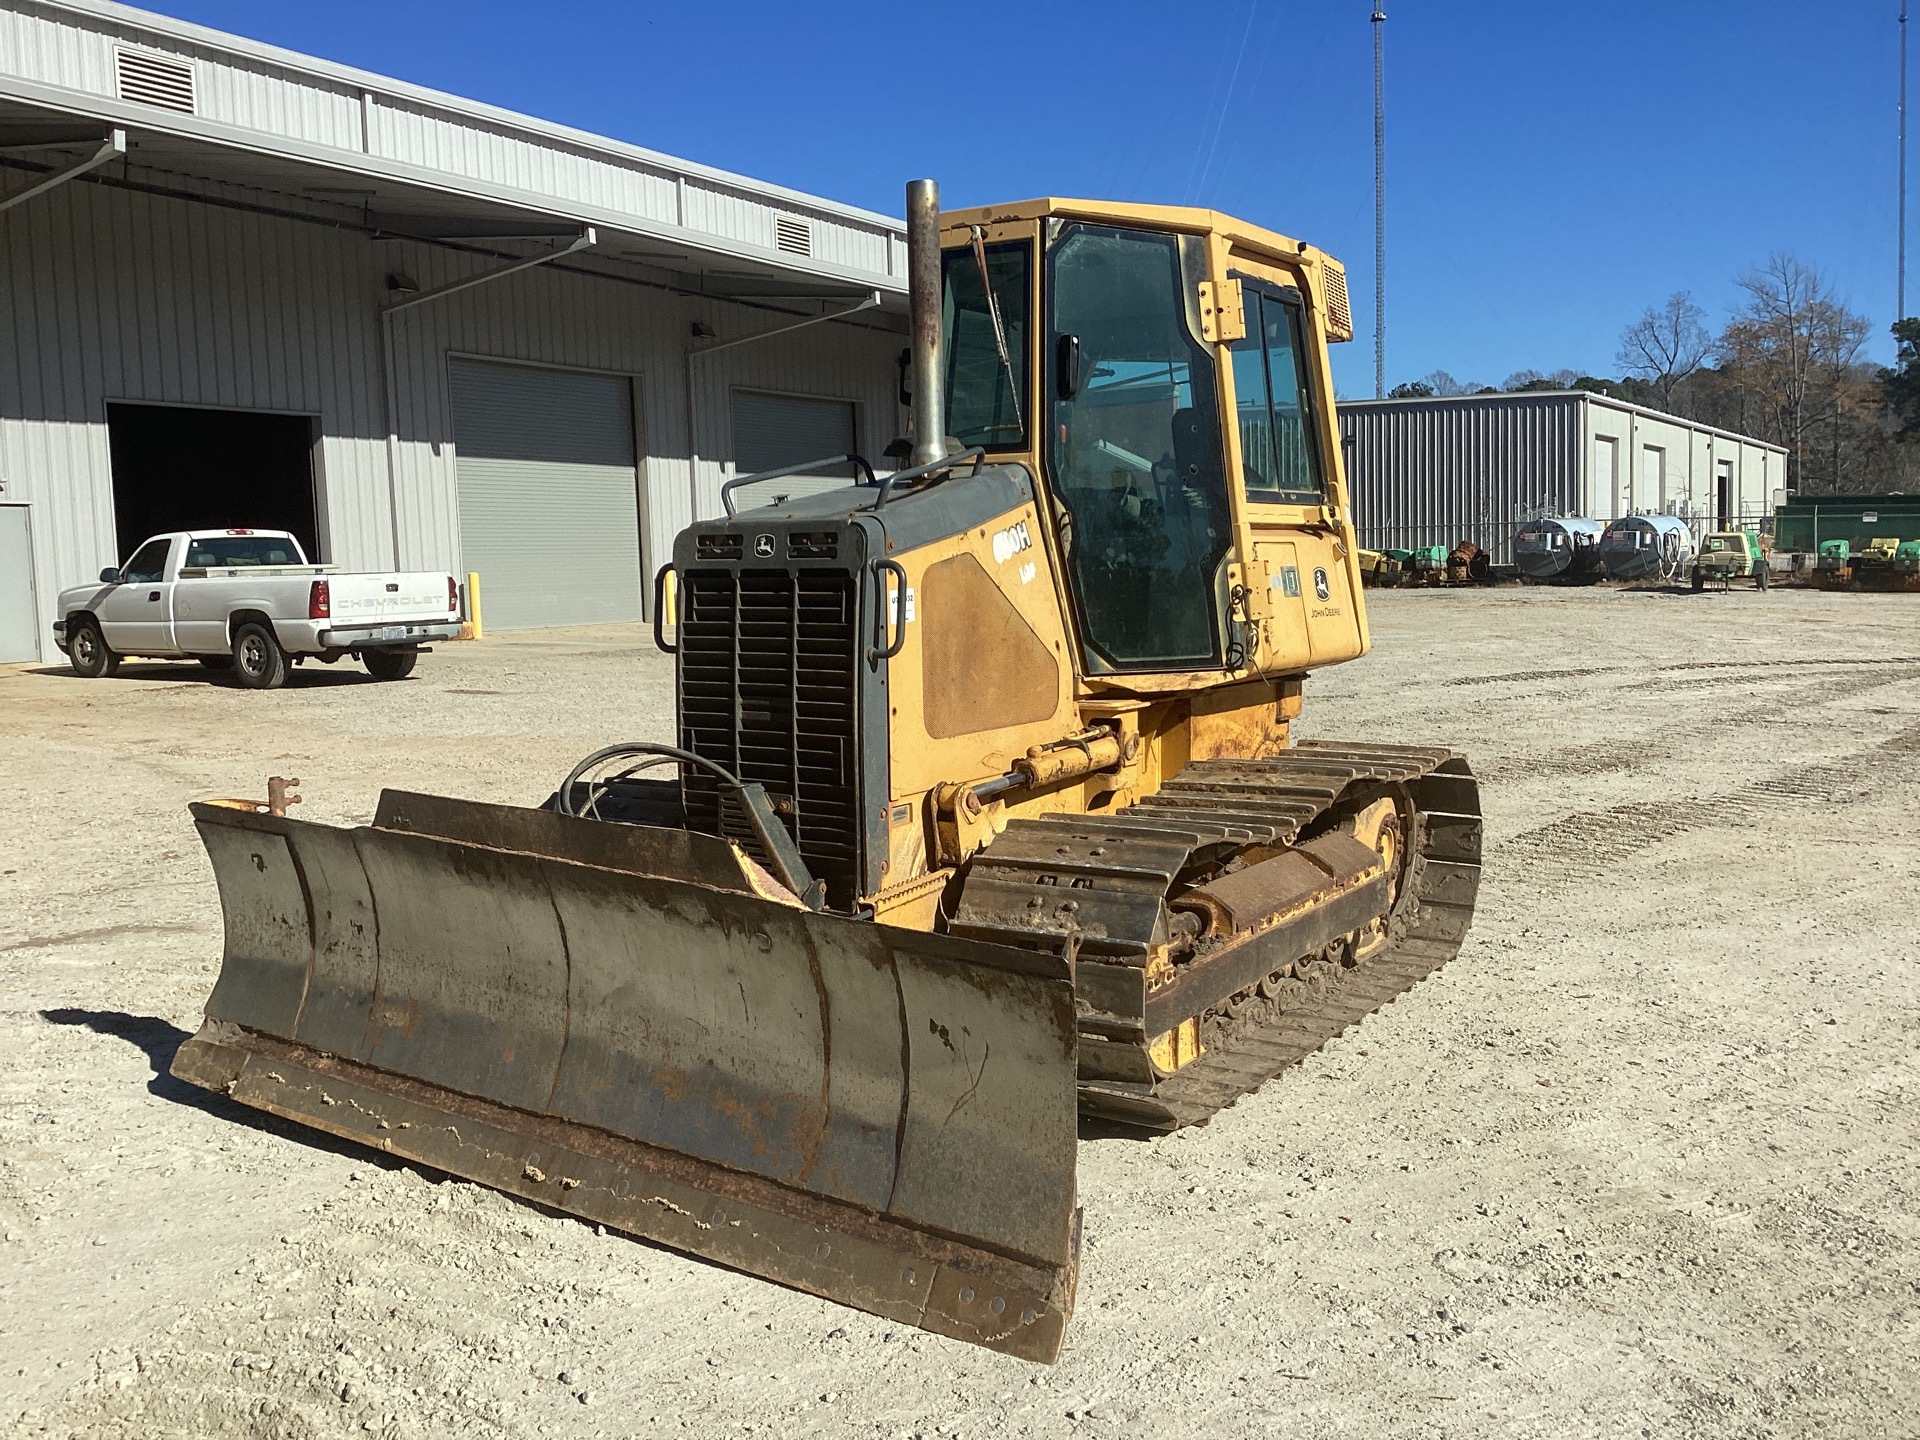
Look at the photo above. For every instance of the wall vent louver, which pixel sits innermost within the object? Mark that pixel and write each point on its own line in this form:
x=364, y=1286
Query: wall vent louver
x=1339, y=310
x=163, y=81
x=793, y=235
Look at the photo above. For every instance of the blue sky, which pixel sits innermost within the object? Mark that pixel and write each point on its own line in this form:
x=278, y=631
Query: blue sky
x=1552, y=168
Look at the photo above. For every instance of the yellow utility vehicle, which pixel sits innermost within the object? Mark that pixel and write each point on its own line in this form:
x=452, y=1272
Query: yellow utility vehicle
x=985, y=811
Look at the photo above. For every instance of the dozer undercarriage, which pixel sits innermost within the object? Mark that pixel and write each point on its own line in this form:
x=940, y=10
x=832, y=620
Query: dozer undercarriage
x=1240, y=918
x=985, y=812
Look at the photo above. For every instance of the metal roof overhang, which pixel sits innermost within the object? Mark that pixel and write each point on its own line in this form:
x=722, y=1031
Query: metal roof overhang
x=45, y=128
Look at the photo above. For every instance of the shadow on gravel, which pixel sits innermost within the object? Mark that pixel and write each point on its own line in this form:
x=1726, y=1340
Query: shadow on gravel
x=160, y=1040
x=301, y=677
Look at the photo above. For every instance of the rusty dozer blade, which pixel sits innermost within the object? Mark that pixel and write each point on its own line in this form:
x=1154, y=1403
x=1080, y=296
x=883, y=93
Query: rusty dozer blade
x=619, y=1023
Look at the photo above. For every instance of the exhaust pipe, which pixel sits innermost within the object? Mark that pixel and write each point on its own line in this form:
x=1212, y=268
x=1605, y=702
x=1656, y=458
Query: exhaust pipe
x=923, y=303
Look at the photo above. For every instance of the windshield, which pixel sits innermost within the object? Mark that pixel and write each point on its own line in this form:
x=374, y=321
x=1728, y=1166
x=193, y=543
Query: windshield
x=1134, y=450
x=984, y=403
x=224, y=551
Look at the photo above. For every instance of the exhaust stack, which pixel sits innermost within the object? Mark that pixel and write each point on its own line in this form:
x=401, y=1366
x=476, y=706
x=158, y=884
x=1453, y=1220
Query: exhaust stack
x=923, y=301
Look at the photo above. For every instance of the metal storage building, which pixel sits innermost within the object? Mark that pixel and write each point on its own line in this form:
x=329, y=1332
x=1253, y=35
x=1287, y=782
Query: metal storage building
x=1437, y=471
x=241, y=285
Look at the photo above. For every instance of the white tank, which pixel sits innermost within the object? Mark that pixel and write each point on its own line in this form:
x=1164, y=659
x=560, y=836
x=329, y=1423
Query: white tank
x=1647, y=547
x=1563, y=548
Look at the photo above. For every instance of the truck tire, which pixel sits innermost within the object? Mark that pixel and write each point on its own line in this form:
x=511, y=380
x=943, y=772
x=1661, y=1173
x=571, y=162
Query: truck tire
x=1761, y=578
x=87, y=651
x=258, y=661
x=389, y=664
x=1699, y=578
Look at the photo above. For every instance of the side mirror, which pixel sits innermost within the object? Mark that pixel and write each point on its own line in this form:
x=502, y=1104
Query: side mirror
x=1066, y=366
x=110, y=575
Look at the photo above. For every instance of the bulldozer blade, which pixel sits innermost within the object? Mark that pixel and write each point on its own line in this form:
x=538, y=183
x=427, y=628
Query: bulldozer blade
x=618, y=1023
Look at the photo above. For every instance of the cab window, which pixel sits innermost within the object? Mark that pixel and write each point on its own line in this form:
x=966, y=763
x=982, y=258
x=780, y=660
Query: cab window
x=221, y=552
x=985, y=395
x=1273, y=402
x=1134, y=450
x=148, y=565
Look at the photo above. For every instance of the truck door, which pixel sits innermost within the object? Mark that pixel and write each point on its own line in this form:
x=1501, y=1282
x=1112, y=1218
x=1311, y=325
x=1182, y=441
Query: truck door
x=137, y=614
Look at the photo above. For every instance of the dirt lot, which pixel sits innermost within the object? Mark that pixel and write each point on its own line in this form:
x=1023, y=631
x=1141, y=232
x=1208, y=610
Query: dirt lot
x=1644, y=1160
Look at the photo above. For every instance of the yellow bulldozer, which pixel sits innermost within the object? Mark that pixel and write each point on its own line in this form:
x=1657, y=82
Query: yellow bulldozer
x=984, y=814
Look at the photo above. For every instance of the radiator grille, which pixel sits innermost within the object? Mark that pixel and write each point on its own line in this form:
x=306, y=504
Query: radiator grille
x=767, y=689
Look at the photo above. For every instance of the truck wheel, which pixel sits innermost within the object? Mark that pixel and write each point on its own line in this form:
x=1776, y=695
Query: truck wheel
x=1761, y=578
x=1699, y=580
x=87, y=651
x=389, y=664
x=258, y=661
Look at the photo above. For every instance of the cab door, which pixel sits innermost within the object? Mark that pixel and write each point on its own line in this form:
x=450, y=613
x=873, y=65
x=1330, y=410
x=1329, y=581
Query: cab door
x=1287, y=492
x=136, y=615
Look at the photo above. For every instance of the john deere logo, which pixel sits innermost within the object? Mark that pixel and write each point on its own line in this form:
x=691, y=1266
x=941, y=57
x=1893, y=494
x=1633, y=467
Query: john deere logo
x=763, y=546
x=1319, y=583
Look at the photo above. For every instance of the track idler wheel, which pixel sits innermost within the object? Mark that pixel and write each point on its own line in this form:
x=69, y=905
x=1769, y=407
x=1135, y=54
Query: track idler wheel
x=1381, y=828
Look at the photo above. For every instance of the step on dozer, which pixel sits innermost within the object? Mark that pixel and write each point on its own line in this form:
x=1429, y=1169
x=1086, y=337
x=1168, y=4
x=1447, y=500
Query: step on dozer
x=985, y=812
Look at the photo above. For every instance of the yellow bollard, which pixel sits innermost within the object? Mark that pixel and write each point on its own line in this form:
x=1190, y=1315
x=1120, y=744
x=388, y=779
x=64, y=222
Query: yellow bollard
x=473, y=605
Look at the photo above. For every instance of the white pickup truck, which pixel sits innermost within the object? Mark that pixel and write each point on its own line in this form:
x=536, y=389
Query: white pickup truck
x=248, y=601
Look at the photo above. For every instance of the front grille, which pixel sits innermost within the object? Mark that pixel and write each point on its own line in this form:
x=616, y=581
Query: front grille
x=767, y=677
x=813, y=544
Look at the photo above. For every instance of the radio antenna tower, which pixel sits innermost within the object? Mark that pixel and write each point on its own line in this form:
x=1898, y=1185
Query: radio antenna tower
x=1380, y=193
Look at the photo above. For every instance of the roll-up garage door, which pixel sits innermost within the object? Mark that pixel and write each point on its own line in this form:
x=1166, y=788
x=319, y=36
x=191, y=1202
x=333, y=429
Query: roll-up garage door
x=774, y=430
x=549, y=493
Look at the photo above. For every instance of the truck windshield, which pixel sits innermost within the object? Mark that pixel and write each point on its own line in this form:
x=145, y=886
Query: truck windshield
x=1134, y=450
x=231, y=551
x=985, y=404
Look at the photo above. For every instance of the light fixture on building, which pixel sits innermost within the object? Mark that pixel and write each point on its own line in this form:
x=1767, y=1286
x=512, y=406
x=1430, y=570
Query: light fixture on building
x=703, y=331
x=402, y=284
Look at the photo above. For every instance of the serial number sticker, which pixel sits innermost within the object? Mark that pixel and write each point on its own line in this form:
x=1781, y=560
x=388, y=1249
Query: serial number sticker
x=893, y=602
x=1287, y=581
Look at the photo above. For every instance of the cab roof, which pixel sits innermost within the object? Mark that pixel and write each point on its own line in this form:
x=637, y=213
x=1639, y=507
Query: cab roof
x=1160, y=217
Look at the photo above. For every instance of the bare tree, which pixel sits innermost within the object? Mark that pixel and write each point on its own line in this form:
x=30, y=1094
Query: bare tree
x=1796, y=350
x=1441, y=383
x=1663, y=347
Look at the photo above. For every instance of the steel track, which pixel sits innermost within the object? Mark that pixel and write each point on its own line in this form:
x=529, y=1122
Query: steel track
x=1101, y=883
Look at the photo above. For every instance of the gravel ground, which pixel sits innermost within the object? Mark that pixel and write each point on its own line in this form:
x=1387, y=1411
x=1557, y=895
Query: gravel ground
x=1641, y=1161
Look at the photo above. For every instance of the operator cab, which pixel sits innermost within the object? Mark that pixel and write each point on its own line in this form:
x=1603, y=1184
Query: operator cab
x=1105, y=347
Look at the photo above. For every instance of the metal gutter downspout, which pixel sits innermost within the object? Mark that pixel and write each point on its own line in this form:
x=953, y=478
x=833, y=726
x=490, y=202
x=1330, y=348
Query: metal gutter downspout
x=872, y=302
x=585, y=240
x=114, y=147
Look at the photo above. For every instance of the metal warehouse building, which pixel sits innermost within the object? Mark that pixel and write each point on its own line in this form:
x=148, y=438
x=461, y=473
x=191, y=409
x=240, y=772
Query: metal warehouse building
x=1439, y=471
x=243, y=286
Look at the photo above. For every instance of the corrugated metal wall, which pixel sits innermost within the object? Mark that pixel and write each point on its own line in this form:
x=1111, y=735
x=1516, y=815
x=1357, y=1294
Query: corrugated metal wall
x=1683, y=479
x=1436, y=472
x=116, y=295
x=1428, y=472
x=284, y=97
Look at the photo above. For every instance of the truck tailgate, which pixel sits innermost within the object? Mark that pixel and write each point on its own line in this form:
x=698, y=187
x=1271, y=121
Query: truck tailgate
x=376, y=599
